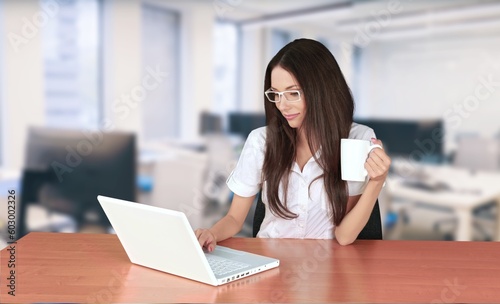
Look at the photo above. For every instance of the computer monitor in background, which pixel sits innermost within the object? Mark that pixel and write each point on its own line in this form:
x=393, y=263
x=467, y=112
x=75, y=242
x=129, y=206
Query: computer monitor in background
x=210, y=123
x=243, y=123
x=419, y=140
x=65, y=170
x=477, y=153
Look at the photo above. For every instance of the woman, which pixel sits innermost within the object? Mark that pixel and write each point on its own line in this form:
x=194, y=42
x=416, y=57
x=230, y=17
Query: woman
x=295, y=160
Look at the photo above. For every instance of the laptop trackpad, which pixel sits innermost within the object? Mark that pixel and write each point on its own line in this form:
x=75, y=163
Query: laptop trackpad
x=227, y=252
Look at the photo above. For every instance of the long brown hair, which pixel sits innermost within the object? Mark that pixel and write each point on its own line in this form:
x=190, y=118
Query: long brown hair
x=328, y=118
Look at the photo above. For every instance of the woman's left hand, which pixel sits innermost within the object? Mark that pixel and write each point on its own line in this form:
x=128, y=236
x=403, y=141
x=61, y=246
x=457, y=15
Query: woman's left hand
x=378, y=163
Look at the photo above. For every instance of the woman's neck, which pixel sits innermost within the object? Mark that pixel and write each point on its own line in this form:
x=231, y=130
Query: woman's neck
x=302, y=141
x=304, y=153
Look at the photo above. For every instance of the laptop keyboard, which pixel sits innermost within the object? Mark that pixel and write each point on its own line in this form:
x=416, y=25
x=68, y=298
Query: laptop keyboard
x=222, y=266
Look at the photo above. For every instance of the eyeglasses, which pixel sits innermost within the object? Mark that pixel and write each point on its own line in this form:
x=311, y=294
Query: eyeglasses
x=291, y=96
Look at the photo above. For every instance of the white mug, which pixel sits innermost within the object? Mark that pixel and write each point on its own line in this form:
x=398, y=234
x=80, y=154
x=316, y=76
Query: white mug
x=353, y=155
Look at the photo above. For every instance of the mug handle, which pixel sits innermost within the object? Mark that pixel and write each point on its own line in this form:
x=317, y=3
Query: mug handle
x=370, y=148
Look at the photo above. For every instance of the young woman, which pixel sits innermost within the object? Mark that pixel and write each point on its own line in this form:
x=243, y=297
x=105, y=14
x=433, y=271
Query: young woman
x=295, y=159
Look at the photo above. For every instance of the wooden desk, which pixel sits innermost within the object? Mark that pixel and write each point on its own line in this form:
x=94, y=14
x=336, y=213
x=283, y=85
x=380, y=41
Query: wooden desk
x=54, y=267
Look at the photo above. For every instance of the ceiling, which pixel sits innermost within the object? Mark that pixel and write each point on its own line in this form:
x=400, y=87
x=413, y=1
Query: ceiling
x=344, y=18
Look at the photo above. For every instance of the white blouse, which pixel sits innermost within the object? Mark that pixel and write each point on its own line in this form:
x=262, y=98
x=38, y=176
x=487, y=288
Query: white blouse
x=314, y=218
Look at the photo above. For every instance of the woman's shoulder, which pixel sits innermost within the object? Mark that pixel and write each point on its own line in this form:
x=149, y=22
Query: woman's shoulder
x=359, y=131
x=257, y=137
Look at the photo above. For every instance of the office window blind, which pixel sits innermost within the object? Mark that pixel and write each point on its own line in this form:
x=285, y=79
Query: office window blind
x=225, y=67
x=161, y=41
x=324, y=41
x=352, y=75
x=279, y=38
x=71, y=53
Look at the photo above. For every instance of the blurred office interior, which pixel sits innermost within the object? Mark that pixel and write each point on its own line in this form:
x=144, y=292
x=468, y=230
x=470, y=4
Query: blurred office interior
x=151, y=100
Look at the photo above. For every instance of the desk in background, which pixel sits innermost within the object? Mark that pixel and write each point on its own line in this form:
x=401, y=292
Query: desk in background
x=53, y=267
x=463, y=192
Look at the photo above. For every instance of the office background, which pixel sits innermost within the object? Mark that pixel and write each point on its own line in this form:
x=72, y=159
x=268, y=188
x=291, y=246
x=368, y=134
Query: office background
x=183, y=79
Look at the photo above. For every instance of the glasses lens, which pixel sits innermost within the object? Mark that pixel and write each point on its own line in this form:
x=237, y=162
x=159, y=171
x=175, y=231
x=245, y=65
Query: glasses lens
x=273, y=96
x=292, y=95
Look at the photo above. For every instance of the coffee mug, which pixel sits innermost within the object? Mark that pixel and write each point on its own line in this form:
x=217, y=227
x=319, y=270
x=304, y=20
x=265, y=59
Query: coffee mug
x=353, y=155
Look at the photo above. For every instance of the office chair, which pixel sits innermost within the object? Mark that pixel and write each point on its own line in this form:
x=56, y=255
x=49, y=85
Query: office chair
x=476, y=153
x=371, y=231
x=68, y=198
x=32, y=183
x=485, y=214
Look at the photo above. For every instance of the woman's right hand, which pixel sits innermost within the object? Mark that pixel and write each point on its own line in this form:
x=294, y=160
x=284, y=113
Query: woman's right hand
x=206, y=238
x=228, y=226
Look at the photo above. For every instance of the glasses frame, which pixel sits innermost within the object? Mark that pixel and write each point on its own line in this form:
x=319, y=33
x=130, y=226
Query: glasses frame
x=281, y=94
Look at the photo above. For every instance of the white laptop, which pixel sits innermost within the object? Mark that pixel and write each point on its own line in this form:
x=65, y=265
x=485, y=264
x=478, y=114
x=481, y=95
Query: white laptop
x=163, y=239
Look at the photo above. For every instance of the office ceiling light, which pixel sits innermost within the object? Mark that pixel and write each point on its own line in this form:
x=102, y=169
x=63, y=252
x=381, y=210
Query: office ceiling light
x=330, y=12
x=432, y=16
x=491, y=24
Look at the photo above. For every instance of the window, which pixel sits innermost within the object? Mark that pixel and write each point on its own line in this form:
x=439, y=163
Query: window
x=324, y=41
x=72, y=57
x=225, y=67
x=356, y=56
x=279, y=38
x=161, y=41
